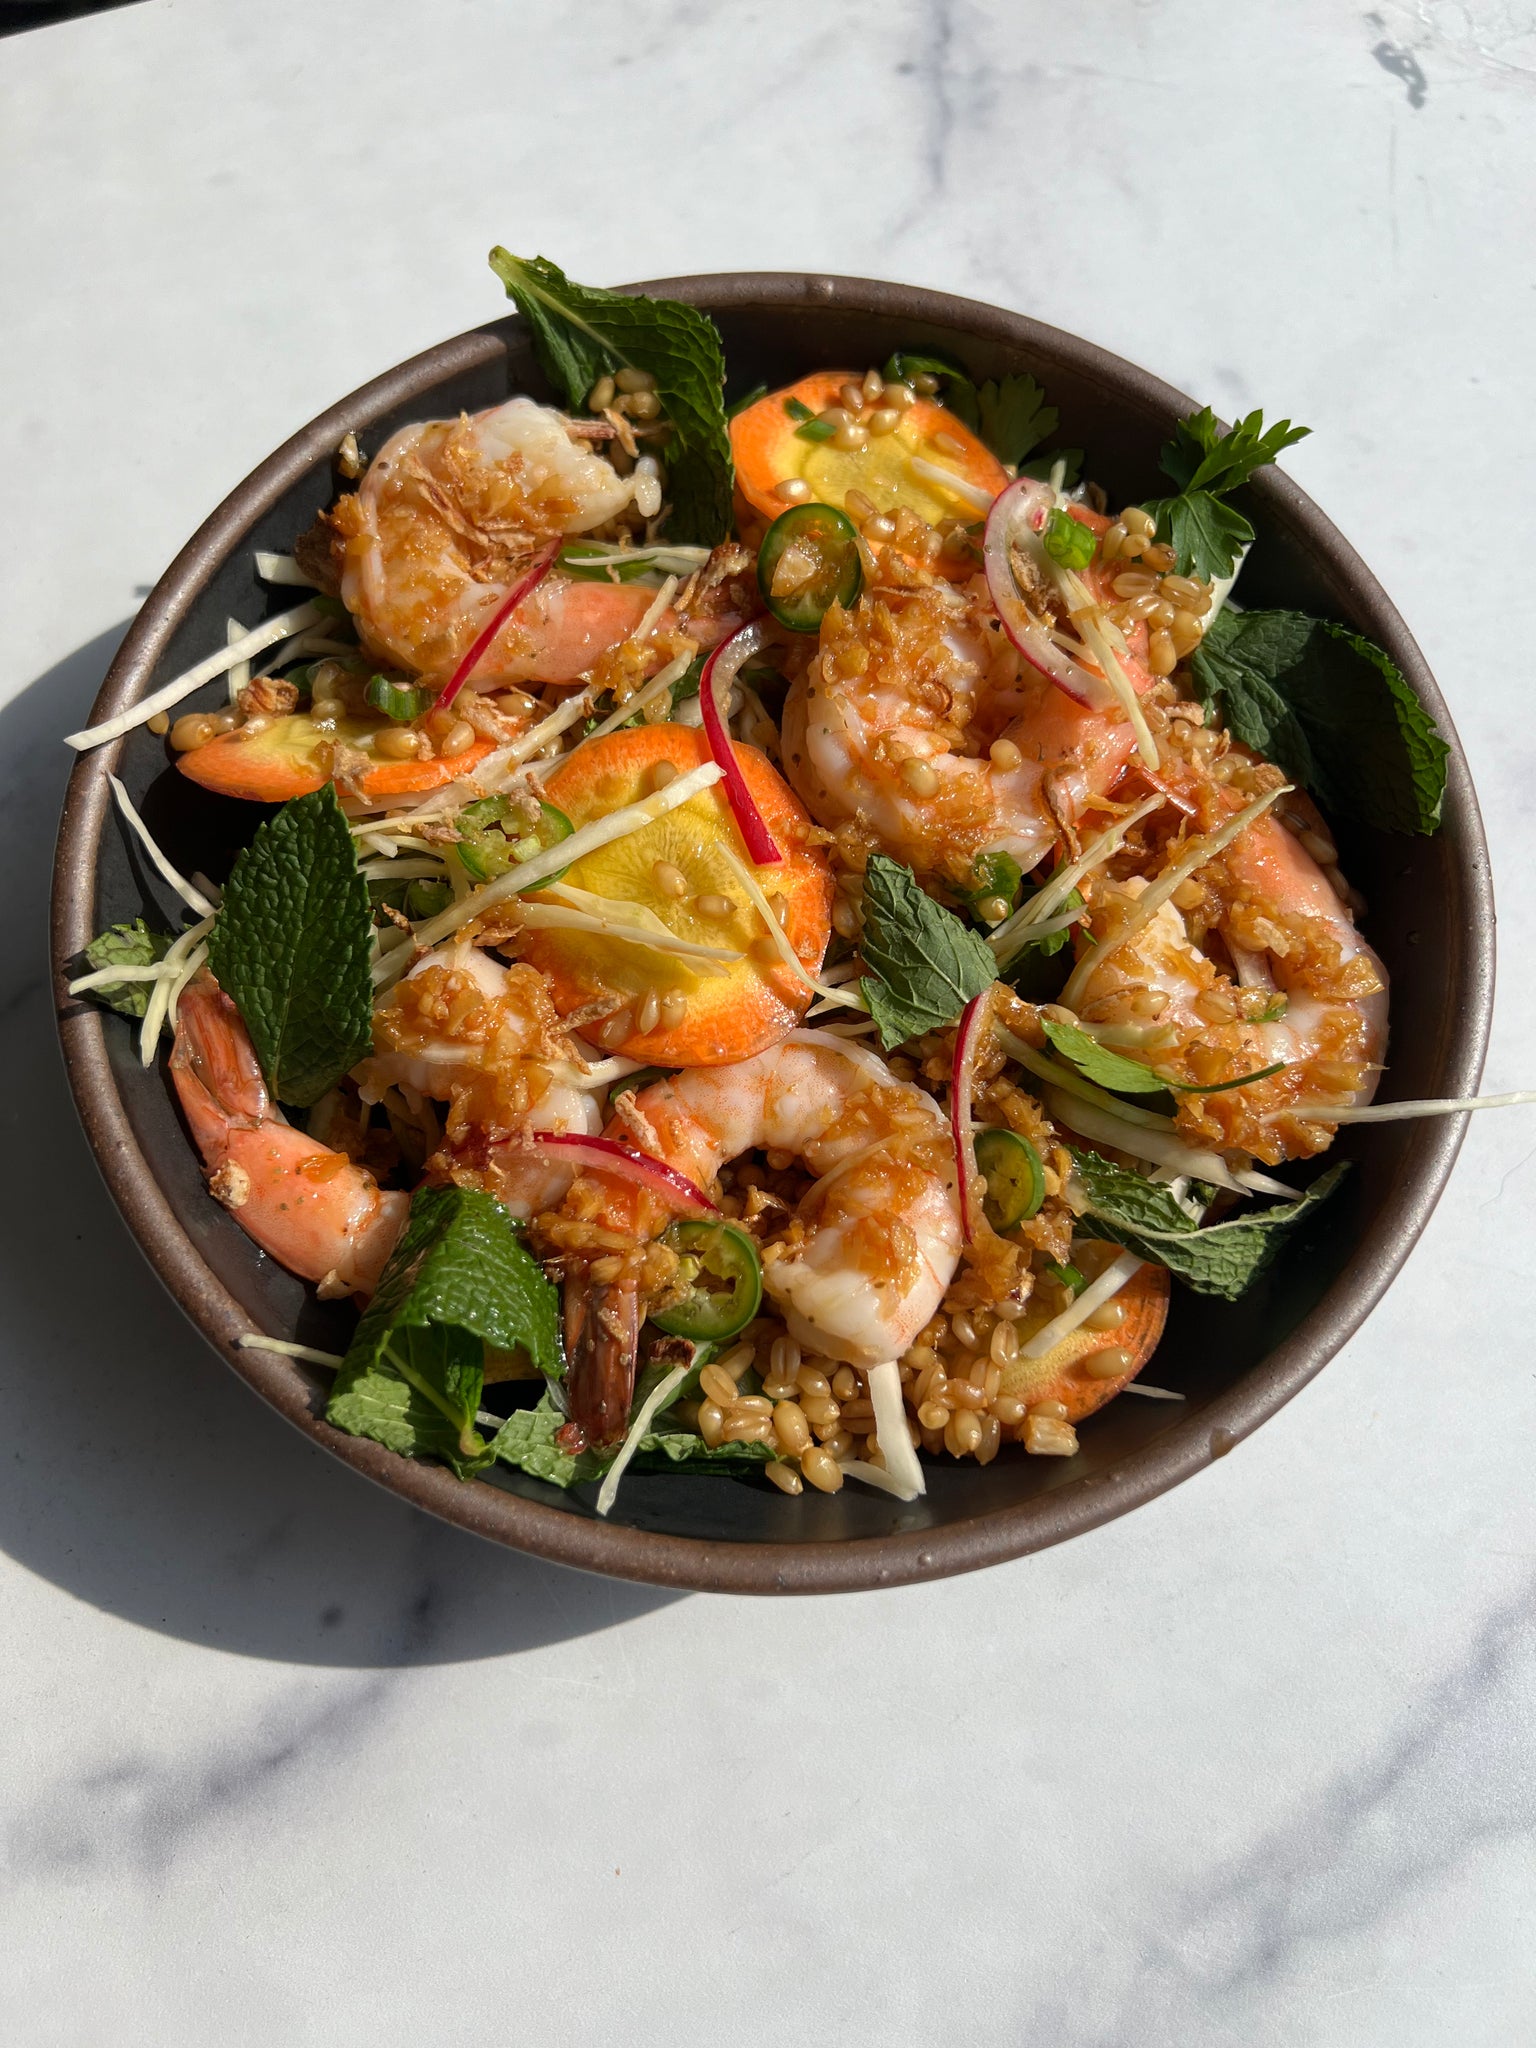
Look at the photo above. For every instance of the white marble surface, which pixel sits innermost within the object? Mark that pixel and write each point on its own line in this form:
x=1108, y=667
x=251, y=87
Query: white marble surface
x=286, y=1764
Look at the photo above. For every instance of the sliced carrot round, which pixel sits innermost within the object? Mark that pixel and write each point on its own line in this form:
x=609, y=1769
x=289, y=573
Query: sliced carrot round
x=769, y=450
x=730, y=1009
x=1064, y=1373
x=292, y=756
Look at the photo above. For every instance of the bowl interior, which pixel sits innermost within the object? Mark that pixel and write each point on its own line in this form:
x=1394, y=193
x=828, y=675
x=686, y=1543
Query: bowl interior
x=1429, y=916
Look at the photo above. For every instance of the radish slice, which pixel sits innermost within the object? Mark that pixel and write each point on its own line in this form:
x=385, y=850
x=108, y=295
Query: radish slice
x=607, y=1156
x=721, y=669
x=1024, y=505
x=967, y=1038
x=509, y=604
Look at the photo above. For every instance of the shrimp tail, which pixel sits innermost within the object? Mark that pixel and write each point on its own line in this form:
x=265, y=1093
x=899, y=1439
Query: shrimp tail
x=316, y=1211
x=602, y=1339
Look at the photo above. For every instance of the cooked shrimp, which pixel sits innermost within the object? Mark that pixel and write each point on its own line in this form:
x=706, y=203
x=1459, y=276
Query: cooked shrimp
x=316, y=1213
x=918, y=717
x=1307, y=990
x=868, y=1254
x=461, y=1028
x=446, y=521
x=1287, y=929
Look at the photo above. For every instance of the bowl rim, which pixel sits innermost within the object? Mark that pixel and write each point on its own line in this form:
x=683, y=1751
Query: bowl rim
x=731, y=1565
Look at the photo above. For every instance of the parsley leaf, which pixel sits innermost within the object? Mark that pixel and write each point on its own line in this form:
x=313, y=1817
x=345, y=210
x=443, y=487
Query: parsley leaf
x=1330, y=709
x=126, y=945
x=1015, y=418
x=1207, y=535
x=458, y=1280
x=1098, y=1063
x=292, y=948
x=1067, y=540
x=959, y=392
x=1223, y=1259
x=1201, y=458
x=926, y=965
x=581, y=334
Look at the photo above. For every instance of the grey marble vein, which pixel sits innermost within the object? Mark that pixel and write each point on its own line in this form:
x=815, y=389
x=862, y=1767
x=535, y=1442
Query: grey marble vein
x=1454, y=1776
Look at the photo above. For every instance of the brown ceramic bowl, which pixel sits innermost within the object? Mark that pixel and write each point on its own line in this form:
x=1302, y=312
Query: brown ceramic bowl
x=1431, y=916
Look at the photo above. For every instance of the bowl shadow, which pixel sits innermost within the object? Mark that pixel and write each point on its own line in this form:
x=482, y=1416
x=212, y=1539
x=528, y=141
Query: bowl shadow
x=140, y=1480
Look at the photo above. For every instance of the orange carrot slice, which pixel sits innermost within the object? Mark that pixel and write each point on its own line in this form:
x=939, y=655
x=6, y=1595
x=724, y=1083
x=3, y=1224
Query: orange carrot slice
x=768, y=452
x=1063, y=1373
x=728, y=1014
x=291, y=757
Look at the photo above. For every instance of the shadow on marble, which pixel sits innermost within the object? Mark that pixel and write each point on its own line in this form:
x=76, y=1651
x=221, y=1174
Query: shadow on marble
x=139, y=1474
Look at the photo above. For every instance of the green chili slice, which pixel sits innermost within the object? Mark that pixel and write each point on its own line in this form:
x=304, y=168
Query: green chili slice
x=1014, y=1175
x=727, y=1283
x=809, y=561
x=490, y=834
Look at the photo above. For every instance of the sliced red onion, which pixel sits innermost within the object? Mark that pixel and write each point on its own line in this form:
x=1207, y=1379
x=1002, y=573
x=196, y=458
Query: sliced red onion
x=509, y=604
x=605, y=1155
x=721, y=669
x=1023, y=507
x=967, y=1037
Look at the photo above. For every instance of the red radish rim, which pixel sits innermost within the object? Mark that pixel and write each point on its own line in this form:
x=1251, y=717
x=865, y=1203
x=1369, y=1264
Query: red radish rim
x=610, y=1157
x=759, y=841
x=1084, y=686
x=509, y=604
x=967, y=1032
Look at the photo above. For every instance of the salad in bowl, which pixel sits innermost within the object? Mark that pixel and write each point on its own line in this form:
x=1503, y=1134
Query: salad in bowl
x=776, y=929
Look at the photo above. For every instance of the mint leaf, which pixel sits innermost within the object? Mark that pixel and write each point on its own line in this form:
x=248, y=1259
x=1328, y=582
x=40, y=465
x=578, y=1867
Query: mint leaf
x=527, y=1440
x=581, y=334
x=661, y=1449
x=1120, y=1194
x=1014, y=417
x=126, y=945
x=292, y=948
x=458, y=1280
x=1067, y=540
x=1236, y=672
x=926, y=965
x=1330, y=709
x=1223, y=1259
x=1207, y=535
x=1098, y=1063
